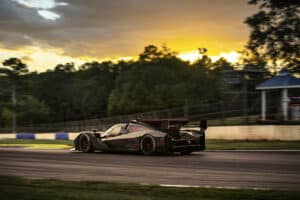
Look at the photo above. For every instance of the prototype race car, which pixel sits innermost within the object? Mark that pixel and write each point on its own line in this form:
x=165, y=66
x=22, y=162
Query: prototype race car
x=148, y=136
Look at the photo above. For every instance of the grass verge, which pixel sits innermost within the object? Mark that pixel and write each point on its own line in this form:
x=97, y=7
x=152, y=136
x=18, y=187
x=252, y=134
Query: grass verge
x=251, y=145
x=37, y=144
x=20, y=188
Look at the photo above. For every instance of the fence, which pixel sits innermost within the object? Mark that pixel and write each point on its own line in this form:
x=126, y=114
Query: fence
x=218, y=113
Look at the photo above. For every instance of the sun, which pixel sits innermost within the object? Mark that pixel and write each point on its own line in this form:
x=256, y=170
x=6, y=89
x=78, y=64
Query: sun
x=232, y=56
x=190, y=56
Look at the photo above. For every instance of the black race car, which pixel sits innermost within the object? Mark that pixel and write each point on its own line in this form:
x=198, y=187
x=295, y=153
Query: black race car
x=148, y=136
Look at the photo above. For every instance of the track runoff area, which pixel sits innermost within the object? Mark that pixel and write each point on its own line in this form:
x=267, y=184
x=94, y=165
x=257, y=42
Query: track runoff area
x=247, y=170
x=260, y=170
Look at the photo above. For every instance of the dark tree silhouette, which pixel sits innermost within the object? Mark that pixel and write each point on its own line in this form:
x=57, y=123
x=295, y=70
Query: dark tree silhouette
x=157, y=80
x=16, y=68
x=153, y=53
x=13, y=69
x=68, y=67
x=276, y=32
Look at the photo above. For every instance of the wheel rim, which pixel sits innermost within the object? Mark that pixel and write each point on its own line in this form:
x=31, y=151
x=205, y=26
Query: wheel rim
x=84, y=143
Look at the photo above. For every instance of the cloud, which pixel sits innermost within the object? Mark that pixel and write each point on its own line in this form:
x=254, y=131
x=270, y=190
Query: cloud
x=38, y=4
x=106, y=28
x=48, y=14
x=26, y=59
x=14, y=40
x=42, y=7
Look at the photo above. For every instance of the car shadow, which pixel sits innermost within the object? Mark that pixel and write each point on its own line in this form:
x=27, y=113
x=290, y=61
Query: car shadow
x=176, y=154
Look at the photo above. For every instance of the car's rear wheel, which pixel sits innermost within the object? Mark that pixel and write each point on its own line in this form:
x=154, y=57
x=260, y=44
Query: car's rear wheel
x=85, y=144
x=168, y=145
x=148, y=145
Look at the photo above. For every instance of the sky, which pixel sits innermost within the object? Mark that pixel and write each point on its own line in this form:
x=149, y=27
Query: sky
x=44, y=33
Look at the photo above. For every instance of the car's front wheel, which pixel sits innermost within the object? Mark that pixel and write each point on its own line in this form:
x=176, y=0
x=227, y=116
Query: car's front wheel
x=85, y=144
x=147, y=145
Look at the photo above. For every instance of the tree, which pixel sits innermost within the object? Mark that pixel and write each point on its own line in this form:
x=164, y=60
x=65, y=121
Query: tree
x=153, y=53
x=221, y=64
x=82, y=94
x=160, y=80
x=14, y=67
x=275, y=32
x=205, y=84
x=31, y=110
x=68, y=67
x=204, y=63
x=149, y=86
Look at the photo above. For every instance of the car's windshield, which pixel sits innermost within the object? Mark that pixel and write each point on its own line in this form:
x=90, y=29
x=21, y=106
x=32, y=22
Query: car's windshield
x=119, y=129
x=137, y=127
x=114, y=130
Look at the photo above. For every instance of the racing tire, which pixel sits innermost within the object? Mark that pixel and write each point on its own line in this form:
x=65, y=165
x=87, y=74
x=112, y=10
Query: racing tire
x=168, y=146
x=85, y=144
x=148, y=145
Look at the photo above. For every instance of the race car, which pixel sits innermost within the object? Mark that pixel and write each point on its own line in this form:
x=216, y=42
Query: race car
x=147, y=136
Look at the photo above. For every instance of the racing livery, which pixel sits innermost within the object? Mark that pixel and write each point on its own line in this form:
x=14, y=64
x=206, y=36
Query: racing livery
x=148, y=136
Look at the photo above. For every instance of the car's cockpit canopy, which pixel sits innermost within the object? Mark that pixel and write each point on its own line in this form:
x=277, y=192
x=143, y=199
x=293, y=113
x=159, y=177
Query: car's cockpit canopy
x=125, y=128
x=170, y=126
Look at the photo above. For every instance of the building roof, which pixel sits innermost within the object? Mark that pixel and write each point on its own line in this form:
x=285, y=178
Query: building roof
x=283, y=80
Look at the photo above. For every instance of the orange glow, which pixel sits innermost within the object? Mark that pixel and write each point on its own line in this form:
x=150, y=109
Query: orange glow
x=232, y=56
x=41, y=60
x=192, y=56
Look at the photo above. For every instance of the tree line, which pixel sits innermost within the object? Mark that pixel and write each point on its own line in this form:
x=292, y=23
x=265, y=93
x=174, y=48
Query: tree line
x=156, y=80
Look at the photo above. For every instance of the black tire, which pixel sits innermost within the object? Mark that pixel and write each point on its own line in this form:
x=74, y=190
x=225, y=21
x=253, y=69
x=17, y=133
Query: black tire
x=148, y=145
x=168, y=146
x=85, y=144
x=76, y=143
x=186, y=152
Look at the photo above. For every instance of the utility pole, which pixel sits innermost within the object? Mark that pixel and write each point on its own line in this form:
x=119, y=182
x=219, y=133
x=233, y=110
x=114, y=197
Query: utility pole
x=186, y=109
x=14, y=104
x=13, y=68
x=245, y=95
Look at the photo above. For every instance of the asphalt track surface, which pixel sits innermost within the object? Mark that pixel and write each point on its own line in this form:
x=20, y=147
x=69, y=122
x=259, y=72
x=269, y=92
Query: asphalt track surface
x=253, y=169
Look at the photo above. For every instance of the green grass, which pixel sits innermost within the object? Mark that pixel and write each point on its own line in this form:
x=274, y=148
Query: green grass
x=38, y=146
x=19, y=188
x=28, y=141
x=251, y=145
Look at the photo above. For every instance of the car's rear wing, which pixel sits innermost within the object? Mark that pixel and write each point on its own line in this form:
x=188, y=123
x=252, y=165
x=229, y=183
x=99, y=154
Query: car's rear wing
x=171, y=126
x=165, y=124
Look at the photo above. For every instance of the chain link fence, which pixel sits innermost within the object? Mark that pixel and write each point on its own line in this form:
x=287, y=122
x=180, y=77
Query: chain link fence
x=218, y=113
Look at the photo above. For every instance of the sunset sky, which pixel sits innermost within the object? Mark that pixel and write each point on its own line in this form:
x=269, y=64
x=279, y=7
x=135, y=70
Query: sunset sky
x=44, y=33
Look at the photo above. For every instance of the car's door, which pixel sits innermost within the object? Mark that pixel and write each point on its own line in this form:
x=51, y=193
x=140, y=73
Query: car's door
x=112, y=139
x=123, y=137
